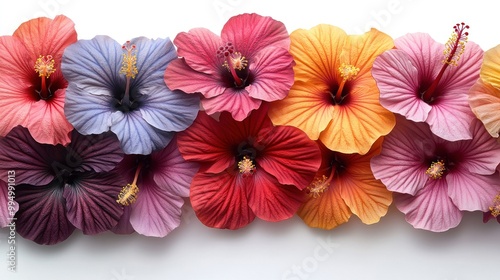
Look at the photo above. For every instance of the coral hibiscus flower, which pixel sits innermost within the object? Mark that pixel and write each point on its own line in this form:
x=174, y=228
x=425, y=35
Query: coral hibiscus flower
x=434, y=180
x=121, y=88
x=334, y=97
x=248, y=169
x=345, y=185
x=32, y=87
x=60, y=188
x=484, y=96
x=426, y=81
x=249, y=63
x=154, y=196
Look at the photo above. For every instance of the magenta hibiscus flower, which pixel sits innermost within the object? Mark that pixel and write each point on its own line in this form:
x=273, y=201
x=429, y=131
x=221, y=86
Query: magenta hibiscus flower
x=249, y=63
x=248, y=169
x=434, y=180
x=154, y=196
x=416, y=81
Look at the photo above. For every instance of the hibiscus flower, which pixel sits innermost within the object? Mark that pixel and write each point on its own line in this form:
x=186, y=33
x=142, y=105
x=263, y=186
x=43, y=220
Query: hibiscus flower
x=248, y=169
x=334, y=97
x=345, y=185
x=32, y=86
x=426, y=81
x=434, y=180
x=154, y=196
x=121, y=88
x=484, y=96
x=249, y=63
x=60, y=188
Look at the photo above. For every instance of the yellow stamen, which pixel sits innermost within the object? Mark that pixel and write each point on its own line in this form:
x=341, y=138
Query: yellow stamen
x=495, y=208
x=246, y=166
x=44, y=66
x=318, y=186
x=128, y=194
x=435, y=171
x=129, y=68
x=348, y=72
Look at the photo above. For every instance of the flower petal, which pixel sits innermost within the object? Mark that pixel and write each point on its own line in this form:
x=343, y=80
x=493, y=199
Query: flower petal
x=168, y=110
x=98, y=153
x=156, y=212
x=44, y=36
x=42, y=214
x=220, y=200
x=179, y=76
x=326, y=211
x=466, y=73
x=484, y=100
x=401, y=165
x=237, y=102
x=205, y=142
x=397, y=80
x=173, y=173
x=252, y=32
x=289, y=155
x=94, y=65
x=273, y=71
x=8, y=206
x=123, y=226
x=91, y=202
x=136, y=135
x=47, y=122
x=199, y=49
x=431, y=208
x=472, y=192
x=269, y=200
x=153, y=57
x=305, y=107
x=356, y=126
x=34, y=163
x=365, y=196
x=491, y=66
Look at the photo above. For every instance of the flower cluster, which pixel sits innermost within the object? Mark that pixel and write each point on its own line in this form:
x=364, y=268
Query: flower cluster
x=253, y=123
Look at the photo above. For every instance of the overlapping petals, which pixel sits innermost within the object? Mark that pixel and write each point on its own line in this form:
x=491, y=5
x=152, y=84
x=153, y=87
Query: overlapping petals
x=235, y=72
x=61, y=188
x=141, y=110
x=405, y=73
x=163, y=180
x=435, y=179
x=343, y=186
x=334, y=98
x=34, y=99
x=248, y=169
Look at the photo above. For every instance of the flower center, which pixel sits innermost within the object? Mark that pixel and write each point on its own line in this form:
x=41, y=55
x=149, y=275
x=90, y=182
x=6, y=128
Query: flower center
x=320, y=184
x=454, y=48
x=436, y=169
x=128, y=194
x=234, y=62
x=129, y=69
x=348, y=72
x=246, y=166
x=495, y=208
x=44, y=66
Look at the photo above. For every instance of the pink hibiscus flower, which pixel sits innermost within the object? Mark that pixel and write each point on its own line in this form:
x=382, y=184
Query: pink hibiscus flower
x=249, y=63
x=32, y=86
x=418, y=82
x=248, y=169
x=434, y=180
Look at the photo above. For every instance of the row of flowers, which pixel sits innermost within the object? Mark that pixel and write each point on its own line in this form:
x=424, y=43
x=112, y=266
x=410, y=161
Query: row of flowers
x=254, y=123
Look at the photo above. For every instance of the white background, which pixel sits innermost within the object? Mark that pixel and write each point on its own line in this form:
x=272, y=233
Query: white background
x=391, y=249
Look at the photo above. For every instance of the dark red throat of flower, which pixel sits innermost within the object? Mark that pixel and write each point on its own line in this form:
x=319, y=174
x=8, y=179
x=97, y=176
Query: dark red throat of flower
x=454, y=48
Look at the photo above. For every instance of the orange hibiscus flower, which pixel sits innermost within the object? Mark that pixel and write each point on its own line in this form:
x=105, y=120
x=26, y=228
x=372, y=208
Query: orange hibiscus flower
x=345, y=185
x=334, y=97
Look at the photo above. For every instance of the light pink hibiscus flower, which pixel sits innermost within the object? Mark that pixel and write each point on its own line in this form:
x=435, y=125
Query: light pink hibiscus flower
x=426, y=81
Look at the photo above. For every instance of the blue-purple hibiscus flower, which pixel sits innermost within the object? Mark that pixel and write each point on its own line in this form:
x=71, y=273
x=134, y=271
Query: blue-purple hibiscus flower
x=122, y=89
x=60, y=188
